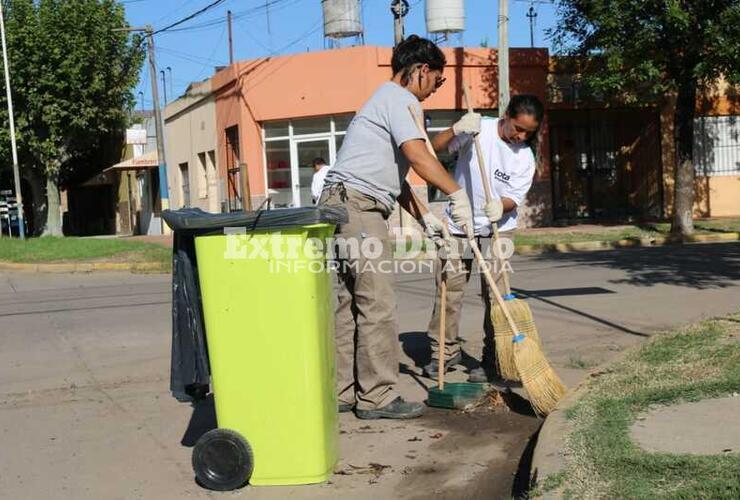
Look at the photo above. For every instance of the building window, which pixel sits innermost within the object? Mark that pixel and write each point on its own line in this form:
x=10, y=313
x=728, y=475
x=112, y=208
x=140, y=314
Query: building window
x=717, y=145
x=278, y=172
x=184, y=184
x=202, y=176
x=288, y=146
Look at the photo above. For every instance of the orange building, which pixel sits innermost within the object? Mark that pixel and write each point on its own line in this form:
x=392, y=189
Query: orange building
x=276, y=114
x=270, y=117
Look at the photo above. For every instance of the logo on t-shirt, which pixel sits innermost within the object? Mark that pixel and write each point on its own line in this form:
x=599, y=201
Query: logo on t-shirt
x=502, y=176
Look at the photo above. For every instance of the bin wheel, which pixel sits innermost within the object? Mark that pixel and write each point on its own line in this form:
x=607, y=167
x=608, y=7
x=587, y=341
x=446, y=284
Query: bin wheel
x=222, y=460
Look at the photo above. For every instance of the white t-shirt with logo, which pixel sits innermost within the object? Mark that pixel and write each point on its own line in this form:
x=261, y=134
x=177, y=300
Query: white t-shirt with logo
x=510, y=169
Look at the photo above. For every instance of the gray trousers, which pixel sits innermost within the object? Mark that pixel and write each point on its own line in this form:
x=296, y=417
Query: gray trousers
x=367, y=346
x=458, y=271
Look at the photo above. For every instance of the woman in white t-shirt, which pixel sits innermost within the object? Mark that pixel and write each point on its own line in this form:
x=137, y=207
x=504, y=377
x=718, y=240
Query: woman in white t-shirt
x=510, y=165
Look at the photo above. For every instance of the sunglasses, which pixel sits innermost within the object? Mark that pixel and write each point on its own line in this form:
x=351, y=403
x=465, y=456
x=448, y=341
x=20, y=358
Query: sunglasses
x=438, y=82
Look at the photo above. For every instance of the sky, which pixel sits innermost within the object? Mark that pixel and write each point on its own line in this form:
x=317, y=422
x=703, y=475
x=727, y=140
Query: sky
x=193, y=49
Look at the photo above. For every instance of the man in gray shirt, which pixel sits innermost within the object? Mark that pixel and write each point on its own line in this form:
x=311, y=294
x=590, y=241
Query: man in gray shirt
x=382, y=141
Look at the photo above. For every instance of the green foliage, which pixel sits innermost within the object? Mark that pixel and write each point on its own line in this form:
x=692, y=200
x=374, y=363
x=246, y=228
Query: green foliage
x=695, y=363
x=72, y=78
x=53, y=249
x=645, y=48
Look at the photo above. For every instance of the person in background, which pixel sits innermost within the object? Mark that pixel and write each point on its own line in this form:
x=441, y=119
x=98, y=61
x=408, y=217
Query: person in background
x=383, y=141
x=320, y=168
x=505, y=143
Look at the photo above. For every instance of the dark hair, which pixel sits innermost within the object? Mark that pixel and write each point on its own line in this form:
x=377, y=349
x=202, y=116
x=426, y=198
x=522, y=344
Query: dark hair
x=525, y=104
x=318, y=161
x=416, y=50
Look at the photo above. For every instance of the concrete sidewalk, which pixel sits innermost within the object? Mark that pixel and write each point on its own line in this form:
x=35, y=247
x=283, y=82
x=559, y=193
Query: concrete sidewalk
x=85, y=410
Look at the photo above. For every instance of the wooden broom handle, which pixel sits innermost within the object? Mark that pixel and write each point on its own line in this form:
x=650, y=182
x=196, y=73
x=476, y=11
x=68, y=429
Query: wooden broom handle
x=443, y=278
x=481, y=261
x=486, y=185
x=492, y=285
x=442, y=325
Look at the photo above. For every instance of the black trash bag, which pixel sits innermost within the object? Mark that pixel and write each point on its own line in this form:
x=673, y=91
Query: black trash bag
x=189, y=367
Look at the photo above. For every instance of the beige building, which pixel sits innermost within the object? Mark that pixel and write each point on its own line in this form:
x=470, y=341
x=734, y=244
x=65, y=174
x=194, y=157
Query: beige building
x=190, y=130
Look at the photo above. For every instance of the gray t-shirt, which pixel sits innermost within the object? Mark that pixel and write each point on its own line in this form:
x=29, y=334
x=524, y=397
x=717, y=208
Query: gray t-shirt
x=370, y=159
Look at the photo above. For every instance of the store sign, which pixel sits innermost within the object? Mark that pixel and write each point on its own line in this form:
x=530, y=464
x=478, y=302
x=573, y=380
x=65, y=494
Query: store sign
x=135, y=136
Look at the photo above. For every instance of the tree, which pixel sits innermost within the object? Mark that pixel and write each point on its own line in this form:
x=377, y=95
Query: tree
x=72, y=78
x=650, y=49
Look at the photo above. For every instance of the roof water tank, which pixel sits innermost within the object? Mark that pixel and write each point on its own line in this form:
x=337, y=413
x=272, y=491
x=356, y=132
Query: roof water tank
x=445, y=16
x=341, y=18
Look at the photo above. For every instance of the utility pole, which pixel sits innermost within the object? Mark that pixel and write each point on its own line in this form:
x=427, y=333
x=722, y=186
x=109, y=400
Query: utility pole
x=158, y=123
x=159, y=126
x=141, y=98
x=503, y=56
x=11, y=124
x=532, y=15
x=164, y=86
x=231, y=42
x=399, y=9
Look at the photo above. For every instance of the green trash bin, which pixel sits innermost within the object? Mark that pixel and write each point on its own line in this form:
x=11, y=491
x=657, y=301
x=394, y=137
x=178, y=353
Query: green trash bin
x=267, y=300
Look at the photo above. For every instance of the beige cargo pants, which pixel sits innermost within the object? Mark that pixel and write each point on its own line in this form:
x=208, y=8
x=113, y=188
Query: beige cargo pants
x=367, y=346
x=458, y=269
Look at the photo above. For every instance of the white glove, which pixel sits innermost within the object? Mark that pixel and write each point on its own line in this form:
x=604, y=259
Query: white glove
x=460, y=211
x=494, y=210
x=435, y=229
x=468, y=124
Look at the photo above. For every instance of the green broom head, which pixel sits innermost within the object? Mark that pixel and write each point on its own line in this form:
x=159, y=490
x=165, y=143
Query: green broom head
x=540, y=381
x=502, y=334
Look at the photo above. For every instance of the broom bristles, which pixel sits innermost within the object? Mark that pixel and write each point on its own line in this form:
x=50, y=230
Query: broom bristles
x=503, y=336
x=540, y=381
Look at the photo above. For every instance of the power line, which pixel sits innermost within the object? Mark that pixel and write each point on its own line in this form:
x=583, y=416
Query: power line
x=195, y=14
x=243, y=14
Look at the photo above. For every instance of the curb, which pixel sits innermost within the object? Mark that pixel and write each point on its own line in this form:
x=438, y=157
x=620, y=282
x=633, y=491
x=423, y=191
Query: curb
x=549, y=457
x=83, y=267
x=593, y=246
x=581, y=246
x=656, y=241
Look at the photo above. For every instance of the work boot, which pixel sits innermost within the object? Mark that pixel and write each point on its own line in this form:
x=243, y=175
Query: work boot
x=345, y=407
x=479, y=375
x=398, y=409
x=482, y=375
x=431, y=370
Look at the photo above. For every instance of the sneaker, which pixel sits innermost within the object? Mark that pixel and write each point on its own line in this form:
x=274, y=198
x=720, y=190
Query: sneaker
x=431, y=370
x=345, y=407
x=398, y=409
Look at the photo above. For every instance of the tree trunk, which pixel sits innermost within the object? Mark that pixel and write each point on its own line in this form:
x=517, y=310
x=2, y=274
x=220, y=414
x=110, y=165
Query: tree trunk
x=683, y=200
x=53, y=226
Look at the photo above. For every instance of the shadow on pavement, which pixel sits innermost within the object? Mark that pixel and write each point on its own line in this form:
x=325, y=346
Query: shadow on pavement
x=535, y=296
x=706, y=265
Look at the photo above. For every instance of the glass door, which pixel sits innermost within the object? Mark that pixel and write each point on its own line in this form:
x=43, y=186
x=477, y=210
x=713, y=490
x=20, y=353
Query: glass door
x=306, y=151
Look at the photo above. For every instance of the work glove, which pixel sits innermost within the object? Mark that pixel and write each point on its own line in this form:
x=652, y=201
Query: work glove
x=460, y=211
x=494, y=210
x=468, y=124
x=436, y=230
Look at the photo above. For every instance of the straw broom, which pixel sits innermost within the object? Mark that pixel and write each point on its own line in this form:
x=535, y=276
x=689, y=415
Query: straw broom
x=519, y=310
x=542, y=384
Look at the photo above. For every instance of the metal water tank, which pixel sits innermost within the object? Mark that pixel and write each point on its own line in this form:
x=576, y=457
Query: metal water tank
x=342, y=18
x=445, y=16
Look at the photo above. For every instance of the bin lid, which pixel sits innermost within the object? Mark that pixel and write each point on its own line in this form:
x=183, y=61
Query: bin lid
x=195, y=219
